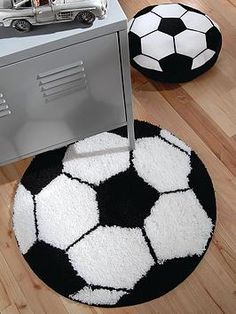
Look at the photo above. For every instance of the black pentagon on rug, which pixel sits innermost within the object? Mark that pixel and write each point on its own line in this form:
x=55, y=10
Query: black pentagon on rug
x=53, y=267
x=125, y=201
x=159, y=59
x=178, y=268
x=131, y=198
x=198, y=174
x=42, y=170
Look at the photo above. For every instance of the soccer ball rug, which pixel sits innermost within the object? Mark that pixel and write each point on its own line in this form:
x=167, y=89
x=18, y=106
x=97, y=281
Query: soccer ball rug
x=109, y=227
x=173, y=42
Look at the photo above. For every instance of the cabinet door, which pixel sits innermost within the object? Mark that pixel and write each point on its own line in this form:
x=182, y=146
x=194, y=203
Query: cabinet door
x=60, y=96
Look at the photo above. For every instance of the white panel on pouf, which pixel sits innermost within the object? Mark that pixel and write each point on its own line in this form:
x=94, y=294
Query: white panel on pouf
x=148, y=62
x=158, y=52
x=145, y=24
x=169, y=10
x=196, y=21
x=201, y=59
x=190, y=43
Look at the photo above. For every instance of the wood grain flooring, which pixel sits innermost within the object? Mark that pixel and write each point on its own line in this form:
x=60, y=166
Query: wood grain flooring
x=203, y=114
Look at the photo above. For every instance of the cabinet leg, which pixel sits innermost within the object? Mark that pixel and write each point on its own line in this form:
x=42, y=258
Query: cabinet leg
x=130, y=129
x=125, y=69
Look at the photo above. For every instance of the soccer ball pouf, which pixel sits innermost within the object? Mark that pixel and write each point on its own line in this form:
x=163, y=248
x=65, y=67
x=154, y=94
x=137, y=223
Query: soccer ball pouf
x=173, y=42
x=105, y=226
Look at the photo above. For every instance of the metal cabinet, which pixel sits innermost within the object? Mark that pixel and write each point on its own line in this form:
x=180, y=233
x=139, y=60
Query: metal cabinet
x=57, y=94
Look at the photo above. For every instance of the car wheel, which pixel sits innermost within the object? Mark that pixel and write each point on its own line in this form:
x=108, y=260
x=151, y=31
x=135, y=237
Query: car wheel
x=86, y=17
x=22, y=25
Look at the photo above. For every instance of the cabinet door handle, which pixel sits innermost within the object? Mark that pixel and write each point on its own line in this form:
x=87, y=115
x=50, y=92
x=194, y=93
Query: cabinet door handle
x=5, y=113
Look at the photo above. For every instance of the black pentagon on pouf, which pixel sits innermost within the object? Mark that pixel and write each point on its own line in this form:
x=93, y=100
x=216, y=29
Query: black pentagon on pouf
x=173, y=42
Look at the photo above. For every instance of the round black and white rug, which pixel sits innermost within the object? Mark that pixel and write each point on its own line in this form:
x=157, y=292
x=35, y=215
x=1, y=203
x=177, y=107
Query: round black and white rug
x=108, y=227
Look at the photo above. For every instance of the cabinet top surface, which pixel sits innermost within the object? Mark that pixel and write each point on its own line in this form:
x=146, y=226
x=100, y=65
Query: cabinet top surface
x=16, y=46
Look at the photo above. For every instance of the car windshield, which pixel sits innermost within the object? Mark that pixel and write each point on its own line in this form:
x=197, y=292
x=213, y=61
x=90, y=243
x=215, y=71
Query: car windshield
x=5, y=4
x=39, y=3
x=22, y=3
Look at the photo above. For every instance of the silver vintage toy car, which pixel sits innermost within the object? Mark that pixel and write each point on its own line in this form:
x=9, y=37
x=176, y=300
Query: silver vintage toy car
x=22, y=14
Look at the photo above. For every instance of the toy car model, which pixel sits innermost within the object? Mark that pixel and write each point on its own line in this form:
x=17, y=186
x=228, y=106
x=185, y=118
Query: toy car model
x=22, y=14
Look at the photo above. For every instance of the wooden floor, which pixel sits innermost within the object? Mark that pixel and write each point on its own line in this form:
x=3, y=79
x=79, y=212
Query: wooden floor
x=203, y=114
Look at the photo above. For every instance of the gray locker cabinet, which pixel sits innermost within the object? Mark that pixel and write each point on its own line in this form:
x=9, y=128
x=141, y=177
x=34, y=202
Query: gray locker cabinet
x=57, y=97
x=61, y=96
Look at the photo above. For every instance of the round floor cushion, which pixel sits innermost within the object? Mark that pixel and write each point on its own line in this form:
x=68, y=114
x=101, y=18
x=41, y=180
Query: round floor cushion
x=173, y=42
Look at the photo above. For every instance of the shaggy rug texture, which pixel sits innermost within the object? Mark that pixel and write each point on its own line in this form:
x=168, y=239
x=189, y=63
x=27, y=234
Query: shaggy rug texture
x=108, y=227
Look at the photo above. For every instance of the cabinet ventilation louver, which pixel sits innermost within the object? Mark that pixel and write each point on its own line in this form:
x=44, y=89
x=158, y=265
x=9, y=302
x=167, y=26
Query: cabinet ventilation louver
x=62, y=81
x=4, y=108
